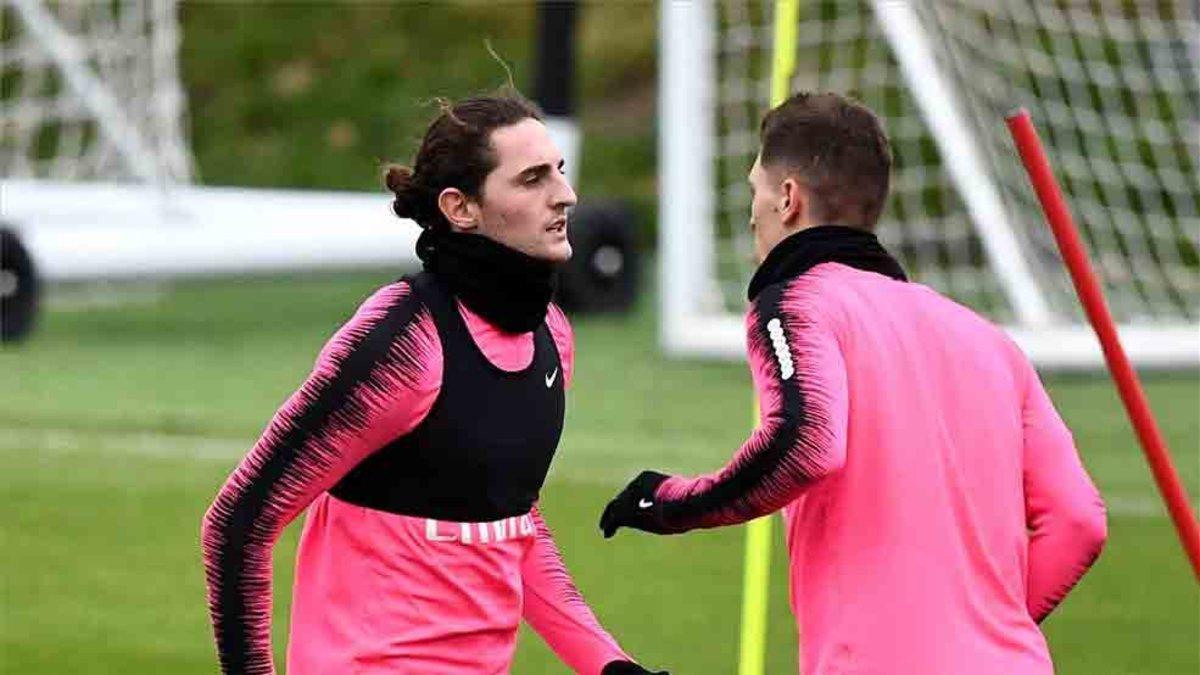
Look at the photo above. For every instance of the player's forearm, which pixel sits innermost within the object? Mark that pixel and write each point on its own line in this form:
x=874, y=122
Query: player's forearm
x=237, y=566
x=276, y=480
x=800, y=380
x=571, y=632
x=802, y=439
x=556, y=610
x=1064, y=511
x=770, y=471
x=1062, y=547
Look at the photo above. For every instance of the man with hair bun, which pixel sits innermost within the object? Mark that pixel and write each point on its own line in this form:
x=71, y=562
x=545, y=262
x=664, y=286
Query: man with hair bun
x=421, y=440
x=935, y=505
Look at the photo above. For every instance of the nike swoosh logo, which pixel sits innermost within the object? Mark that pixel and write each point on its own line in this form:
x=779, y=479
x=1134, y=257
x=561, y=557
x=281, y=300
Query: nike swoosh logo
x=645, y=504
x=551, y=377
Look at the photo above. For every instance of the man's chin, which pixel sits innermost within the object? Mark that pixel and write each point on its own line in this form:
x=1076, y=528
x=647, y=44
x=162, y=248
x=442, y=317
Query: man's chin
x=558, y=254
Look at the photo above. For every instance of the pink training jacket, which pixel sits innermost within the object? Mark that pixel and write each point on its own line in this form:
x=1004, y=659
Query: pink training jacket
x=936, y=507
x=378, y=592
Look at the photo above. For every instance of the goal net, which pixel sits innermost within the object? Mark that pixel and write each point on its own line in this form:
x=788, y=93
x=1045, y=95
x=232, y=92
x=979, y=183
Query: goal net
x=1113, y=86
x=90, y=91
x=96, y=175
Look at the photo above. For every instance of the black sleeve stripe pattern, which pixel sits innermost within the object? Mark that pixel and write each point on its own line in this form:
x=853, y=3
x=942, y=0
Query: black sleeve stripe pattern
x=297, y=457
x=767, y=467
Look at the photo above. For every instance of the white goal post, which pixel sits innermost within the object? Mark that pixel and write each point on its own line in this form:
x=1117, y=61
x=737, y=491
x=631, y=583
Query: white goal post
x=1115, y=85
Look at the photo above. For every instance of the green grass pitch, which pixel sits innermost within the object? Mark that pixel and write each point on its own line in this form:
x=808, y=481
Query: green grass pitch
x=117, y=425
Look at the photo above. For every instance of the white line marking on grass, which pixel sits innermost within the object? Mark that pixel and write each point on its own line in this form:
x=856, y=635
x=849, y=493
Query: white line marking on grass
x=1136, y=506
x=138, y=443
x=106, y=295
x=568, y=468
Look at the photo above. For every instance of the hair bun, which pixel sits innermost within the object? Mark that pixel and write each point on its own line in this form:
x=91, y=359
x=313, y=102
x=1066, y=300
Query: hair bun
x=402, y=182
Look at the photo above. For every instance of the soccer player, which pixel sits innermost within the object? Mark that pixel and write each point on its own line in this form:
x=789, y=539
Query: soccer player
x=421, y=440
x=935, y=505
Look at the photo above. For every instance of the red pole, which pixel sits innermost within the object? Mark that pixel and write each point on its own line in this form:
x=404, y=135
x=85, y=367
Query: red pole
x=1088, y=288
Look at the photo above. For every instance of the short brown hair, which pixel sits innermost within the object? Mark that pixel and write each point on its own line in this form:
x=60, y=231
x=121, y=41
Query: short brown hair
x=838, y=148
x=456, y=152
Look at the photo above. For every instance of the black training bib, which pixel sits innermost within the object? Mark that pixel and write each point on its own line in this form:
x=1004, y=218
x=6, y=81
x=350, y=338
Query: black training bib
x=483, y=451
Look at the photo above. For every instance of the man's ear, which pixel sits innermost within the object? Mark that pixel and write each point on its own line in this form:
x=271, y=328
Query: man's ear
x=793, y=207
x=460, y=210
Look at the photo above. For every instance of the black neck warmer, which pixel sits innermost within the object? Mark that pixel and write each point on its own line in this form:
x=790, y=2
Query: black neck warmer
x=504, y=286
x=810, y=247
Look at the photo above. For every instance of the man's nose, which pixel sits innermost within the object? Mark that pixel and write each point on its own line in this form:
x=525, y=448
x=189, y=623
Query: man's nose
x=564, y=195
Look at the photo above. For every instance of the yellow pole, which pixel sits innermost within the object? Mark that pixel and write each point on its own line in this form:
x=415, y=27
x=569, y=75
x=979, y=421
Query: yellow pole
x=783, y=60
x=756, y=578
x=752, y=659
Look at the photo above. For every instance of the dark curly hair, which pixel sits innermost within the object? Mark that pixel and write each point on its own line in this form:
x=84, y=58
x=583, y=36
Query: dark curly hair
x=455, y=152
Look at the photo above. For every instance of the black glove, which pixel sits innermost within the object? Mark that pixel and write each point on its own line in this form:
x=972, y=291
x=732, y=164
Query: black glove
x=636, y=506
x=628, y=668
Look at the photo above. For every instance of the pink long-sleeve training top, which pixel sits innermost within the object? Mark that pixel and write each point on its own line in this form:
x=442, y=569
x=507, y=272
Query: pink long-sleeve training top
x=375, y=591
x=935, y=504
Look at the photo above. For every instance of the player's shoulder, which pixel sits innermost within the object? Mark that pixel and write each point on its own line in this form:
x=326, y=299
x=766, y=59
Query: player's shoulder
x=398, y=299
x=564, y=339
x=961, y=316
x=803, y=297
x=960, y=322
x=556, y=316
x=390, y=329
x=559, y=325
x=394, y=309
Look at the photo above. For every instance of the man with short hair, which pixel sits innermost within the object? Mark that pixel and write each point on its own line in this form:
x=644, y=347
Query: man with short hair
x=935, y=505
